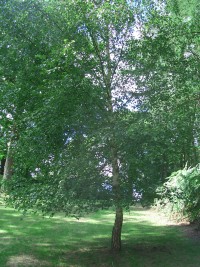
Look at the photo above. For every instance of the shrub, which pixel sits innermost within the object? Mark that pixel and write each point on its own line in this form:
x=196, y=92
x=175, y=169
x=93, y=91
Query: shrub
x=180, y=195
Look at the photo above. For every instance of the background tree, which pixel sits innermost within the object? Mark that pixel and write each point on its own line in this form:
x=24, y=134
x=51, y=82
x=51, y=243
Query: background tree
x=168, y=76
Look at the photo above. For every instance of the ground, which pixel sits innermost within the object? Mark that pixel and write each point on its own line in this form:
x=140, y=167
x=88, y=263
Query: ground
x=149, y=240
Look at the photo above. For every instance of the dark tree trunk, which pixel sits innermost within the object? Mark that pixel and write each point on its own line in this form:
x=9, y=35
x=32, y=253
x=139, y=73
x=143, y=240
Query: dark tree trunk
x=3, y=161
x=117, y=229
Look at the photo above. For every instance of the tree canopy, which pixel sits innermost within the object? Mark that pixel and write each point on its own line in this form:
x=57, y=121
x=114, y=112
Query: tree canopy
x=99, y=102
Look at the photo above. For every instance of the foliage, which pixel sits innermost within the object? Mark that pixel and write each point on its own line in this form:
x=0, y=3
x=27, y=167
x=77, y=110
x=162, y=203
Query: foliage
x=180, y=194
x=100, y=100
x=166, y=63
x=65, y=97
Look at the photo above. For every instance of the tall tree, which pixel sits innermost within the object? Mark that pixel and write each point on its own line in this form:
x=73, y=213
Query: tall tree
x=167, y=64
x=72, y=71
x=83, y=74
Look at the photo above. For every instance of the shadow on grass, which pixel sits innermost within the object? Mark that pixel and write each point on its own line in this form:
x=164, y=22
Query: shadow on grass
x=59, y=241
x=145, y=246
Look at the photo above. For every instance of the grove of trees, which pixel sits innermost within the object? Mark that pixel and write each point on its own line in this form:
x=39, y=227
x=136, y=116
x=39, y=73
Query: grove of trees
x=99, y=101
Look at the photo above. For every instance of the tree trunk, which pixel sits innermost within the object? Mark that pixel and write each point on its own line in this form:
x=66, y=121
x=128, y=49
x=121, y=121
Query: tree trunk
x=8, y=168
x=3, y=161
x=108, y=71
x=117, y=229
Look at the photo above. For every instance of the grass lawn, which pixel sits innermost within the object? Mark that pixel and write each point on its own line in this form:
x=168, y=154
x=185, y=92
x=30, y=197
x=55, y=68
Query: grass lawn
x=148, y=241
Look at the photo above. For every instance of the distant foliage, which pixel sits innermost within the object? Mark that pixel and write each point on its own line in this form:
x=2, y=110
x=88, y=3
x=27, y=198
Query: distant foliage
x=180, y=195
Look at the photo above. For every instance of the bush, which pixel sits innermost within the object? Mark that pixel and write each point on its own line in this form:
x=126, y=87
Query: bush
x=180, y=195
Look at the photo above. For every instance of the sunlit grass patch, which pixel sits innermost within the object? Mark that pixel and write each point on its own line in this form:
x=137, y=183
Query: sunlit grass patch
x=25, y=260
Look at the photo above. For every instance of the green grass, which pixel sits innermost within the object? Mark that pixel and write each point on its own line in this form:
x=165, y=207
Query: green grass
x=147, y=241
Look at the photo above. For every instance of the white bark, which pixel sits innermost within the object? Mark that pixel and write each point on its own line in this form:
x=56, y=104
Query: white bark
x=8, y=168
